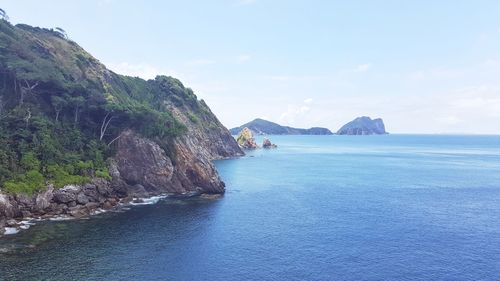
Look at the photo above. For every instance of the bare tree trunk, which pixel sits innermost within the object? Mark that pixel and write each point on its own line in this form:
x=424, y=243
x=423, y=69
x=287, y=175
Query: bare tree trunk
x=25, y=90
x=57, y=115
x=27, y=118
x=76, y=115
x=113, y=140
x=104, y=125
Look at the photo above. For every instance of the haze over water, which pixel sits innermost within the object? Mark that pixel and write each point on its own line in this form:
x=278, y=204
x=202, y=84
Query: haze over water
x=392, y=207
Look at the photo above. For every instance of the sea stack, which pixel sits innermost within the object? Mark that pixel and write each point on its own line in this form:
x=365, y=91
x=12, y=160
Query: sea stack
x=266, y=143
x=246, y=140
x=363, y=126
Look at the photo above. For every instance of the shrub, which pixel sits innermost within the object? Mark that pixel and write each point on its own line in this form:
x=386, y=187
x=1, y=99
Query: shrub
x=26, y=183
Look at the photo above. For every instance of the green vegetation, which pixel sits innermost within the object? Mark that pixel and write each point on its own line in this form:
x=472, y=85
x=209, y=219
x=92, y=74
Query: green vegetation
x=61, y=110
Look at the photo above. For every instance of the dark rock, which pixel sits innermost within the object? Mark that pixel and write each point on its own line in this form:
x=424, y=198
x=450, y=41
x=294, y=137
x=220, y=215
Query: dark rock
x=66, y=194
x=113, y=201
x=91, y=206
x=43, y=199
x=78, y=211
x=26, y=214
x=107, y=205
x=11, y=223
x=90, y=191
x=267, y=144
x=24, y=200
x=81, y=198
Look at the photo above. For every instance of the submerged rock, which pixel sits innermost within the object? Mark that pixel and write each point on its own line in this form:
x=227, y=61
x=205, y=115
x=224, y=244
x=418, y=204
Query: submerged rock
x=246, y=139
x=266, y=143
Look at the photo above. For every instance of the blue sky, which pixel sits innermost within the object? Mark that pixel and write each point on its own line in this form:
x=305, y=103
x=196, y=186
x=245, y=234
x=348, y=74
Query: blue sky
x=423, y=66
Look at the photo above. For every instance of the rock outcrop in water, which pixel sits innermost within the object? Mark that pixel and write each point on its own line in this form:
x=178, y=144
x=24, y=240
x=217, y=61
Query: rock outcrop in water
x=246, y=140
x=157, y=136
x=266, y=143
x=363, y=126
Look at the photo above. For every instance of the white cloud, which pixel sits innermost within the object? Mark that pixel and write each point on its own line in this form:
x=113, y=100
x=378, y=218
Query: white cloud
x=142, y=70
x=295, y=112
x=363, y=67
x=243, y=58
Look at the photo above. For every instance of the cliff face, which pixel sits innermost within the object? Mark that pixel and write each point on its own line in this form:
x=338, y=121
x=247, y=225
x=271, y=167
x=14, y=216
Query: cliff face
x=363, y=126
x=76, y=137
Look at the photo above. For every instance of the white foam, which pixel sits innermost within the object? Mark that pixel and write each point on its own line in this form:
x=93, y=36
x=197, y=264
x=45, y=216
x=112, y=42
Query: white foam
x=27, y=222
x=98, y=211
x=148, y=201
x=60, y=218
x=11, y=230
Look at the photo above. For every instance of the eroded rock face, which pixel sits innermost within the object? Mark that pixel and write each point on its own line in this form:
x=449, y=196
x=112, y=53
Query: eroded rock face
x=246, y=139
x=142, y=162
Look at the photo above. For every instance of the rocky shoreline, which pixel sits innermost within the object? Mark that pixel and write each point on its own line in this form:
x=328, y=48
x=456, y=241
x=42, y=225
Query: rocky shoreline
x=140, y=169
x=80, y=202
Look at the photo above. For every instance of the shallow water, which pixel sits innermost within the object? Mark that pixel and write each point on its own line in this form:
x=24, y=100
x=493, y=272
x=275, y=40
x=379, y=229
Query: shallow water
x=395, y=207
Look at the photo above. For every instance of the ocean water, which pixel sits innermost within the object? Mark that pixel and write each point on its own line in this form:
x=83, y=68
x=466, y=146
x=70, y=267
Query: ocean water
x=394, y=207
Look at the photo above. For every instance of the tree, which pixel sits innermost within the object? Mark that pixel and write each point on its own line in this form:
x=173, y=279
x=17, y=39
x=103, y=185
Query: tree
x=28, y=89
x=58, y=103
x=61, y=32
x=77, y=103
x=4, y=15
x=105, y=124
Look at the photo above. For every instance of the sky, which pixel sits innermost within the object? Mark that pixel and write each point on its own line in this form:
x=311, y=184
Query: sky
x=424, y=66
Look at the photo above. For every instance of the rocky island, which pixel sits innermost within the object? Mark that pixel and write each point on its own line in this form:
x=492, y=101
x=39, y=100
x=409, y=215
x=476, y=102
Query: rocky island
x=264, y=127
x=246, y=140
x=76, y=137
x=363, y=126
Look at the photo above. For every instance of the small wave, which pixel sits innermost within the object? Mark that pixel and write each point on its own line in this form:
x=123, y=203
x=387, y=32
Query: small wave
x=60, y=218
x=97, y=211
x=11, y=230
x=147, y=201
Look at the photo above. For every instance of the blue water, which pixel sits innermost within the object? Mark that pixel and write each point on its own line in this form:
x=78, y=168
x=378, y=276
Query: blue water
x=395, y=207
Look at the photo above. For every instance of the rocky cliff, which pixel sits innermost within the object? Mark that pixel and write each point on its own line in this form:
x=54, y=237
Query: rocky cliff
x=363, y=126
x=76, y=137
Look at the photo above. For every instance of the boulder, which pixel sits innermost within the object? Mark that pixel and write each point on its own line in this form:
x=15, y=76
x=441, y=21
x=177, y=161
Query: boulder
x=81, y=198
x=66, y=194
x=43, y=199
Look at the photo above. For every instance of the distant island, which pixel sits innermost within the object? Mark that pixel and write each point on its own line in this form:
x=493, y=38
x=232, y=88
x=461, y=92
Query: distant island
x=264, y=127
x=363, y=126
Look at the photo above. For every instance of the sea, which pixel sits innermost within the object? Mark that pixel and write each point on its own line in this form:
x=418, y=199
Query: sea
x=388, y=207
